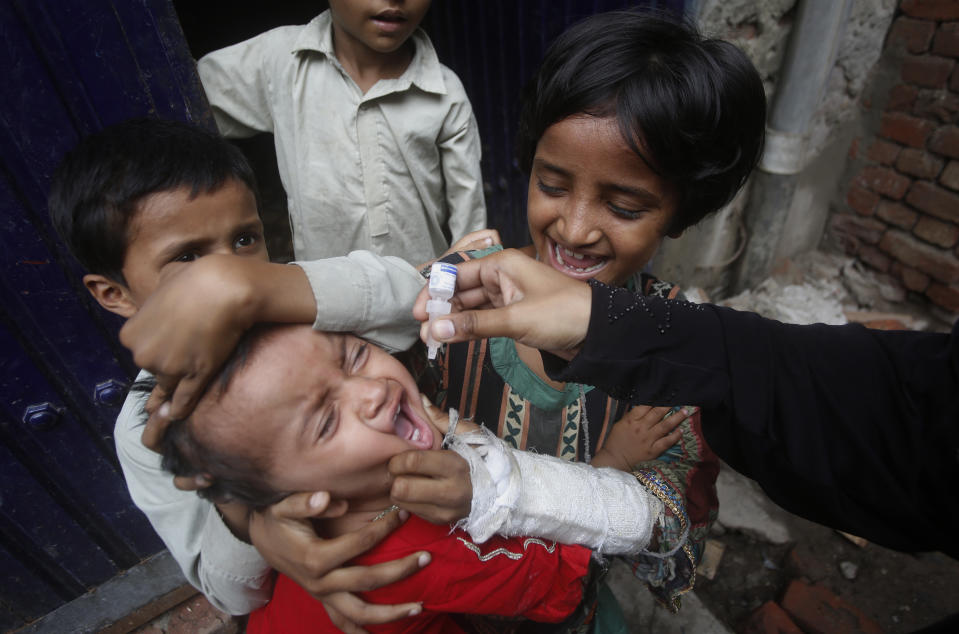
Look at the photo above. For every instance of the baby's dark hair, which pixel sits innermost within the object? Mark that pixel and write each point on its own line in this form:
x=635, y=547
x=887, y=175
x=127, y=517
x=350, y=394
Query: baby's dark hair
x=692, y=108
x=234, y=477
x=100, y=184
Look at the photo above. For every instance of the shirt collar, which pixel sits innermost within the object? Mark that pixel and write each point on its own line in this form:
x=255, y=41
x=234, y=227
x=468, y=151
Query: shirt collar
x=424, y=70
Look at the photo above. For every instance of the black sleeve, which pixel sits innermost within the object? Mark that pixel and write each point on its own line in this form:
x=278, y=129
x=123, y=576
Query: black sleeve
x=850, y=427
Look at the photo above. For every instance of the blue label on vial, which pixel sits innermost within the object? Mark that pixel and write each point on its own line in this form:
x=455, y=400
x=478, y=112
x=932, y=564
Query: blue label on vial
x=443, y=278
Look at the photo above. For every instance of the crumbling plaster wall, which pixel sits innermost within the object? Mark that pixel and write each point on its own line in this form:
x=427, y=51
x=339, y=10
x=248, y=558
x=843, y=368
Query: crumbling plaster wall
x=704, y=256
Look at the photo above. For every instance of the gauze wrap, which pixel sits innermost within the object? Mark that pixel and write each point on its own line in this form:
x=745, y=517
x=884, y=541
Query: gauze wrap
x=521, y=493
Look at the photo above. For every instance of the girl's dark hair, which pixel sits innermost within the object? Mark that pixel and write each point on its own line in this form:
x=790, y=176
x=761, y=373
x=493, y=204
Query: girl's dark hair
x=100, y=184
x=234, y=477
x=693, y=109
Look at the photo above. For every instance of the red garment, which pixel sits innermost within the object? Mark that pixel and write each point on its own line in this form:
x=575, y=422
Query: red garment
x=519, y=577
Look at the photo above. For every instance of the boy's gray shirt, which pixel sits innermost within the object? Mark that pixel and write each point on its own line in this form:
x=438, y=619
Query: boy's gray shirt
x=363, y=293
x=389, y=171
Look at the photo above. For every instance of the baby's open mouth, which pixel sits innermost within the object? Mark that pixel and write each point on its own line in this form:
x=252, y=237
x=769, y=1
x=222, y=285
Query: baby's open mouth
x=409, y=426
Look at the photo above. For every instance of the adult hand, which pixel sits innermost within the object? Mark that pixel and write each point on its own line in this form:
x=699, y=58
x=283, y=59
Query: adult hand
x=284, y=535
x=436, y=484
x=509, y=294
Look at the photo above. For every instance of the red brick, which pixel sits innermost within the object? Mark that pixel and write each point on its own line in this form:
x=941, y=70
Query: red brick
x=769, y=618
x=853, y=153
x=905, y=128
x=934, y=200
x=861, y=200
x=883, y=180
x=936, y=263
x=941, y=105
x=883, y=152
x=945, y=140
x=918, y=163
x=950, y=175
x=927, y=70
x=945, y=296
x=896, y=214
x=902, y=97
x=818, y=611
x=941, y=234
x=946, y=41
x=868, y=230
x=914, y=35
x=911, y=278
x=931, y=9
x=875, y=258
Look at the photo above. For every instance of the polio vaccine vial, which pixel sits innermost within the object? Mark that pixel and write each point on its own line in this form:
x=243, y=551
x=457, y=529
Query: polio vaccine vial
x=441, y=287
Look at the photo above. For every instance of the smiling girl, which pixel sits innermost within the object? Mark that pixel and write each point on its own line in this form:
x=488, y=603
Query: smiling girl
x=634, y=128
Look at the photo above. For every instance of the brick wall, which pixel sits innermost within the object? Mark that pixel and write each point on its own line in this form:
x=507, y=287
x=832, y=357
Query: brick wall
x=901, y=213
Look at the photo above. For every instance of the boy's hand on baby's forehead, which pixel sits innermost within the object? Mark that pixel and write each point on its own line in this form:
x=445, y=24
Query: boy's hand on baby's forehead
x=183, y=332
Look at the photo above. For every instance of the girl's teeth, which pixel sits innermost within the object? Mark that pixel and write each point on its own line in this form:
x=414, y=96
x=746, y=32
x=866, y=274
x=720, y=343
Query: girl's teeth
x=416, y=435
x=561, y=256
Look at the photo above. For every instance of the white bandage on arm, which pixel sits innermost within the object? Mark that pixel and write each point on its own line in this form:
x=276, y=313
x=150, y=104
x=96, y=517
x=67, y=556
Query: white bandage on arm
x=521, y=493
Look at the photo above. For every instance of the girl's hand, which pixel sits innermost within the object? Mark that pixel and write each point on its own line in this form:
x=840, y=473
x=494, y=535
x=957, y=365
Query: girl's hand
x=641, y=435
x=475, y=241
x=434, y=484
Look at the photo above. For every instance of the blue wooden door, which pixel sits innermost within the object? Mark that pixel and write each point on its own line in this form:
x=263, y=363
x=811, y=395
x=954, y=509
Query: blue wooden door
x=68, y=69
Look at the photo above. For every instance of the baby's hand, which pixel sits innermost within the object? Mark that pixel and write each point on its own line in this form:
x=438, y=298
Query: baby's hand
x=642, y=434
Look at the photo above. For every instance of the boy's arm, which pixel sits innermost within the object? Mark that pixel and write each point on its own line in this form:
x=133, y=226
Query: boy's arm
x=367, y=294
x=218, y=297
x=190, y=324
x=236, y=80
x=460, y=155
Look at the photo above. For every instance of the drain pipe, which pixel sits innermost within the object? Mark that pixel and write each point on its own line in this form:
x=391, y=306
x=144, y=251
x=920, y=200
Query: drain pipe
x=809, y=59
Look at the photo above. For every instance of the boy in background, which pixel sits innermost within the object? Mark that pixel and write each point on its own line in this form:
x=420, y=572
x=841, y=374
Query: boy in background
x=145, y=202
x=376, y=142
